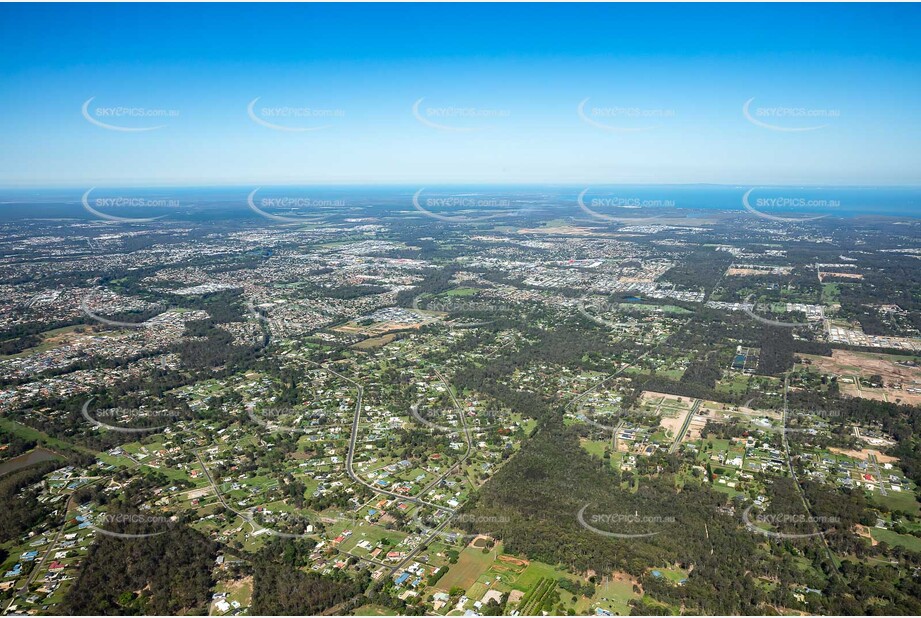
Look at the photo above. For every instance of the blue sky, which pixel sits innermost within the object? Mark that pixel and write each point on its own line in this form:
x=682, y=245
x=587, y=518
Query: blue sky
x=836, y=88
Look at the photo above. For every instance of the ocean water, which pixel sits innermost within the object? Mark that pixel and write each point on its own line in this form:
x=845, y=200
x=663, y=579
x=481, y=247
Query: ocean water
x=549, y=201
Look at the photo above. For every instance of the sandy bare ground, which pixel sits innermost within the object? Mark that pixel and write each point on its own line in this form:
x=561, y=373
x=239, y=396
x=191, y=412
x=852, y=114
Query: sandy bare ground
x=826, y=275
x=660, y=397
x=199, y=493
x=881, y=394
x=696, y=427
x=865, y=533
x=743, y=411
x=865, y=454
x=620, y=576
x=569, y=230
x=513, y=560
x=378, y=328
x=752, y=272
x=673, y=424
x=236, y=585
x=863, y=365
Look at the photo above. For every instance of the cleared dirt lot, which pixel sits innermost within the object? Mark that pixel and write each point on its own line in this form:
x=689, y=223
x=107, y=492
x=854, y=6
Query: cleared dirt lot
x=672, y=410
x=757, y=272
x=865, y=454
x=862, y=365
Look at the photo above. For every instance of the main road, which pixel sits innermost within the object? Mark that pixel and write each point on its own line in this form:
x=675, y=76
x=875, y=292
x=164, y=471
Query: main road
x=799, y=488
x=437, y=530
x=685, y=425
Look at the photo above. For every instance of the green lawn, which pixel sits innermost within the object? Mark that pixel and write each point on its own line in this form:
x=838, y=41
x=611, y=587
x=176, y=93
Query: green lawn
x=907, y=541
x=735, y=385
x=44, y=439
x=534, y=572
x=673, y=575
x=594, y=447
x=673, y=309
x=374, y=610
x=613, y=595
x=471, y=564
x=831, y=293
x=363, y=532
x=902, y=500
x=461, y=292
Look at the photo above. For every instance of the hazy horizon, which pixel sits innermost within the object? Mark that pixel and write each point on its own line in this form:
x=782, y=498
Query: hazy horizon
x=582, y=94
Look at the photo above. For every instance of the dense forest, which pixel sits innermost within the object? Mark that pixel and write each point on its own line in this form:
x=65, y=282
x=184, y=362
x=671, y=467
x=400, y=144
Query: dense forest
x=699, y=270
x=168, y=573
x=21, y=509
x=281, y=588
x=539, y=492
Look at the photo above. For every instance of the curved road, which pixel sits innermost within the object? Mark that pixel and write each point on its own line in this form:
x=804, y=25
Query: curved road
x=353, y=440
